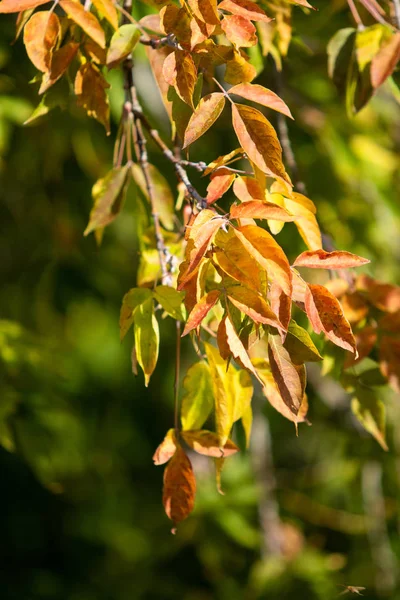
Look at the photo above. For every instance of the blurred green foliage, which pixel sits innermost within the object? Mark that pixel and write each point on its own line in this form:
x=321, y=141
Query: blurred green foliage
x=81, y=515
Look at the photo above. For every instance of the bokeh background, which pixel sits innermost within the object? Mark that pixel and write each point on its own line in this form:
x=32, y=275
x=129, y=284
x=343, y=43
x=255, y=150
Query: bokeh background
x=80, y=502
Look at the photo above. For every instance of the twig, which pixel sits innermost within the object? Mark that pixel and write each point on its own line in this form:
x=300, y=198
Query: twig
x=177, y=375
x=355, y=13
x=396, y=4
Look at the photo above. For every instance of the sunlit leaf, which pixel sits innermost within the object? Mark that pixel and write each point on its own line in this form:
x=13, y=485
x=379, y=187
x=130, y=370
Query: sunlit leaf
x=41, y=34
x=122, y=44
x=166, y=449
x=239, y=70
x=86, y=20
x=198, y=399
x=252, y=304
x=205, y=10
x=206, y=113
x=320, y=259
x=130, y=302
x=248, y=189
x=261, y=95
x=90, y=90
x=289, y=378
x=60, y=61
x=11, y=6
x=255, y=209
x=304, y=210
x=371, y=413
x=170, y=300
x=224, y=401
x=220, y=182
x=179, y=71
x=162, y=197
x=236, y=262
x=245, y=8
x=385, y=61
x=281, y=305
x=201, y=309
x=239, y=30
x=207, y=443
x=106, y=194
x=147, y=338
x=106, y=8
x=236, y=347
x=300, y=346
x=179, y=489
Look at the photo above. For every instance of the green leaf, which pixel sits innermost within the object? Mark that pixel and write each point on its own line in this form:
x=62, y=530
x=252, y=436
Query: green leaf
x=340, y=51
x=130, y=302
x=56, y=97
x=147, y=338
x=162, y=196
x=122, y=44
x=300, y=345
x=108, y=195
x=197, y=401
x=371, y=413
x=171, y=301
x=242, y=391
x=224, y=399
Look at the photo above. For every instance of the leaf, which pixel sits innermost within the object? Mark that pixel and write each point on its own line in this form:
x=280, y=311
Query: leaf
x=220, y=183
x=156, y=59
x=389, y=357
x=179, y=489
x=180, y=71
x=86, y=20
x=107, y=9
x=41, y=34
x=170, y=300
x=367, y=44
x=240, y=31
x=207, y=443
x=248, y=189
x=340, y=49
x=242, y=391
x=198, y=400
x=224, y=401
x=236, y=347
x=130, y=302
x=259, y=140
x=264, y=249
x=56, y=97
x=384, y=63
x=253, y=305
x=320, y=259
x=245, y=8
x=300, y=346
x=325, y=314
x=122, y=44
x=261, y=95
x=366, y=339
x=384, y=296
x=11, y=6
x=166, y=449
x=206, y=113
x=304, y=211
x=371, y=413
x=236, y=262
x=281, y=305
x=90, y=90
x=205, y=10
x=256, y=209
x=106, y=192
x=60, y=61
x=200, y=311
x=302, y=3
x=147, y=338
x=289, y=378
x=161, y=192
x=239, y=70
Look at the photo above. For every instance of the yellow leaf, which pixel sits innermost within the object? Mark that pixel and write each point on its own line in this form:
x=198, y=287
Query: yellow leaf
x=224, y=401
x=166, y=449
x=86, y=20
x=147, y=338
x=198, y=400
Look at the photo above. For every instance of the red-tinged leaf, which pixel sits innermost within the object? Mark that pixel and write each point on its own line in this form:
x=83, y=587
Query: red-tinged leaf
x=205, y=10
x=12, y=6
x=354, y=306
x=222, y=340
x=247, y=189
x=326, y=315
x=90, y=90
x=389, y=357
x=384, y=63
x=180, y=71
x=366, y=339
x=41, y=35
x=240, y=31
x=166, y=449
x=201, y=309
x=176, y=21
x=107, y=10
x=86, y=20
x=264, y=249
x=289, y=378
x=156, y=59
x=207, y=443
x=236, y=262
x=252, y=305
x=199, y=32
x=122, y=44
x=220, y=183
x=256, y=209
x=259, y=140
x=151, y=22
x=237, y=349
x=245, y=8
x=281, y=304
x=207, y=112
x=106, y=192
x=221, y=161
x=239, y=69
x=60, y=62
x=301, y=207
x=261, y=95
x=320, y=259
x=179, y=487
x=384, y=296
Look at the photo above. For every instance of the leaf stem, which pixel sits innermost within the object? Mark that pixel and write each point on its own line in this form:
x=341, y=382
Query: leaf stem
x=355, y=13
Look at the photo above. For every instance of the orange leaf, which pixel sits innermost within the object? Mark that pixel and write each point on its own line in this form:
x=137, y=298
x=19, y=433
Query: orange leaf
x=252, y=305
x=389, y=357
x=248, y=188
x=220, y=183
x=281, y=304
x=86, y=20
x=107, y=10
x=245, y=8
x=41, y=34
x=205, y=10
x=90, y=90
x=262, y=246
x=236, y=262
x=384, y=296
x=306, y=223
x=180, y=71
x=240, y=31
x=11, y=6
x=239, y=352
x=259, y=140
x=325, y=314
x=261, y=95
x=200, y=310
x=179, y=487
x=256, y=209
x=366, y=339
x=207, y=443
x=166, y=449
x=384, y=63
x=222, y=161
x=289, y=378
x=156, y=59
x=239, y=69
x=207, y=112
x=320, y=259
x=60, y=62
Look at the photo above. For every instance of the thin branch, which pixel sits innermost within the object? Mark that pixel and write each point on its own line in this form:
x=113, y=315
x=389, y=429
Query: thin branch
x=177, y=375
x=355, y=13
x=396, y=4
